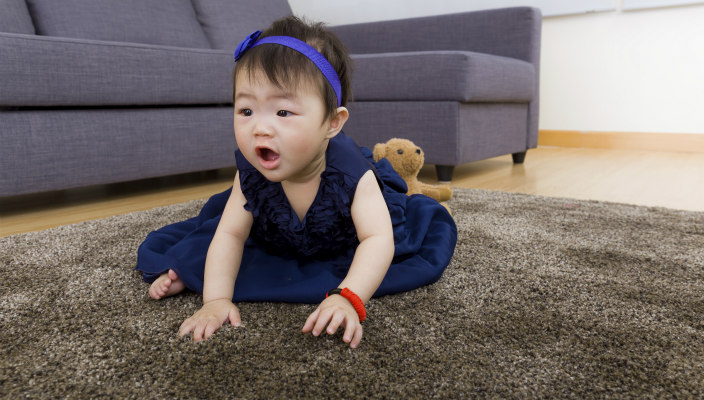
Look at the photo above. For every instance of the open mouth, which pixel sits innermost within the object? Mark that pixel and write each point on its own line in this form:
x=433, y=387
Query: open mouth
x=268, y=158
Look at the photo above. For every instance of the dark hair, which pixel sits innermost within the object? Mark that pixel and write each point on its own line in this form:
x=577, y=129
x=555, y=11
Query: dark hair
x=285, y=67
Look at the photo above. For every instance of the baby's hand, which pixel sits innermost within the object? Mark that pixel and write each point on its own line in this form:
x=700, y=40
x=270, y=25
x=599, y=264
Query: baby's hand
x=209, y=318
x=336, y=310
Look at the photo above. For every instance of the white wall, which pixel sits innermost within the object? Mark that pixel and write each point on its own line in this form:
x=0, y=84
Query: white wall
x=640, y=71
x=617, y=71
x=353, y=11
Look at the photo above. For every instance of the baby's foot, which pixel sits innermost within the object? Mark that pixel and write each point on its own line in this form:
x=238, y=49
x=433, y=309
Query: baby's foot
x=168, y=284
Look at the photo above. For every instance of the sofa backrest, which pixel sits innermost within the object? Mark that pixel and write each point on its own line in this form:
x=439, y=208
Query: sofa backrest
x=15, y=18
x=220, y=24
x=162, y=22
x=227, y=22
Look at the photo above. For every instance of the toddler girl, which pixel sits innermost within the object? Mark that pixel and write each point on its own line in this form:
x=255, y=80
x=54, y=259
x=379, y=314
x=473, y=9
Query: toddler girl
x=311, y=217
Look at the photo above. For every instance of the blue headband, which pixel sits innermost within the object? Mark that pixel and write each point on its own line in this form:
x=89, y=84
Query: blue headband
x=318, y=59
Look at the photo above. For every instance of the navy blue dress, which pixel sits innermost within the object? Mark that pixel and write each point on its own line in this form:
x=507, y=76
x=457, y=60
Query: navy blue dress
x=289, y=260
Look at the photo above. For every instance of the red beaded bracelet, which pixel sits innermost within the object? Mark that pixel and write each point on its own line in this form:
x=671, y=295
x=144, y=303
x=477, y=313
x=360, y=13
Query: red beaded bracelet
x=354, y=299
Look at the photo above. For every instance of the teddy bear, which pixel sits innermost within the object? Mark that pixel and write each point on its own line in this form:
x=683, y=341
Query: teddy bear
x=407, y=159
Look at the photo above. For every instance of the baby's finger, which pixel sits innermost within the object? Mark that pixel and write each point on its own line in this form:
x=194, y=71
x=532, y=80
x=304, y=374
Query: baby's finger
x=234, y=317
x=349, y=330
x=198, y=331
x=308, y=326
x=186, y=327
x=336, y=321
x=210, y=328
x=357, y=337
x=323, y=320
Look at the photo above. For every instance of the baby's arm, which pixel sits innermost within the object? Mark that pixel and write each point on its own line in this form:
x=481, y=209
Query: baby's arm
x=371, y=261
x=221, y=267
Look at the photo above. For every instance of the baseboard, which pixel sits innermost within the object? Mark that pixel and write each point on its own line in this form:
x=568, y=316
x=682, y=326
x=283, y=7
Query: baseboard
x=672, y=142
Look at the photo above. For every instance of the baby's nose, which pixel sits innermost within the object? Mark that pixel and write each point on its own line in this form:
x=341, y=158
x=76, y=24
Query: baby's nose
x=263, y=129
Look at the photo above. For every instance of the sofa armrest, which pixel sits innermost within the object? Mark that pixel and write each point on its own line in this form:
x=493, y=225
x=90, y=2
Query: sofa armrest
x=508, y=32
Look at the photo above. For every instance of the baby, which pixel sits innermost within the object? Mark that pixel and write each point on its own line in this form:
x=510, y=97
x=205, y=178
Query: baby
x=310, y=217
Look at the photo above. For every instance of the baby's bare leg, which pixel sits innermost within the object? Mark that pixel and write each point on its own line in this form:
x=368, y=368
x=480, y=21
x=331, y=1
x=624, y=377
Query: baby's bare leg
x=168, y=284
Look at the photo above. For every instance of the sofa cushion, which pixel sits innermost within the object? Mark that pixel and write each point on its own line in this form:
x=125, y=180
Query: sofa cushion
x=442, y=76
x=50, y=71
x=165, y=22
x=15, y=18
x=227, y=22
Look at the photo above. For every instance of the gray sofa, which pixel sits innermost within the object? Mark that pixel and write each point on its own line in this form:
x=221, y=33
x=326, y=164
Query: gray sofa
x=103, y=91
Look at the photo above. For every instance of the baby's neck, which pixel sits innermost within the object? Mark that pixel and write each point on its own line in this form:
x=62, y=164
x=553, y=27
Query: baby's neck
x=301, y=195
x=312, y=170
x=302, y=189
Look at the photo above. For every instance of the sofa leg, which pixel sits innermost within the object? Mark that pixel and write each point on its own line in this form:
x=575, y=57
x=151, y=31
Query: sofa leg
x=519, y=157
x=444, y=172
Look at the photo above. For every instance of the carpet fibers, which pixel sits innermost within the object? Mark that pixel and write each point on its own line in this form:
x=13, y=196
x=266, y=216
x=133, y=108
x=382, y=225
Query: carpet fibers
x=543, y=298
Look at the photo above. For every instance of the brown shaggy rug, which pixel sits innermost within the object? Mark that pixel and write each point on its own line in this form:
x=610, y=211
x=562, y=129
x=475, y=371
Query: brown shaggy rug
x=544, y=298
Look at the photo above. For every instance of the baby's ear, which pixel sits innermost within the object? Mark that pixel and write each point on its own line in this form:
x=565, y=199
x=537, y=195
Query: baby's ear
x=379, y=151
x=337, y=122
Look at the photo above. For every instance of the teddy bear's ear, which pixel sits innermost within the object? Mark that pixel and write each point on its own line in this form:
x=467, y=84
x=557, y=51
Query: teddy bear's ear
x=379, y=151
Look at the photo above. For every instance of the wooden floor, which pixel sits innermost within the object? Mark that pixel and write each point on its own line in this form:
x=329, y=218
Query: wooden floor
x=673, y=180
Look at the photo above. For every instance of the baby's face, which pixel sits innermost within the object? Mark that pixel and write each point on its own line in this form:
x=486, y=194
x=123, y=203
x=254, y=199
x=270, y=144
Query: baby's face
x=283, y=134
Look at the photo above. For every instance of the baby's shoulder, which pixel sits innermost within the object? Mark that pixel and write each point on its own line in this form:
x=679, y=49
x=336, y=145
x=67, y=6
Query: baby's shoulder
x=346, y=157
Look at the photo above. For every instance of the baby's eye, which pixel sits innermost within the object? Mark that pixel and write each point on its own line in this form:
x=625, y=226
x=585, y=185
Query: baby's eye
x=283, y=113
x=246, y=112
